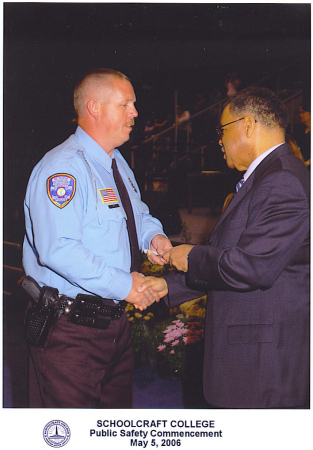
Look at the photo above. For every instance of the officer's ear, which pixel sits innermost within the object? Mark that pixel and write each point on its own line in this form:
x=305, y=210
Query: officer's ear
x=93, y=108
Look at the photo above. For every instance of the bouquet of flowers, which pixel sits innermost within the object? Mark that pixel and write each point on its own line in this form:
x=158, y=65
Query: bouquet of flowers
x=172, y=348
x=187, y=328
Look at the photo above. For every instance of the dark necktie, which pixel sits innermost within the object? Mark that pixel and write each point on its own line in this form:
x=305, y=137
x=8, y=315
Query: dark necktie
x=131, y=227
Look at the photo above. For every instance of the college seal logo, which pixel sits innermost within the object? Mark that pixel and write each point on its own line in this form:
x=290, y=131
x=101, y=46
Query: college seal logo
x=61, y=189
x=56, y=433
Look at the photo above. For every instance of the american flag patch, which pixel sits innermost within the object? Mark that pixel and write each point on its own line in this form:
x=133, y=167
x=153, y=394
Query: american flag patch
x=108, y=195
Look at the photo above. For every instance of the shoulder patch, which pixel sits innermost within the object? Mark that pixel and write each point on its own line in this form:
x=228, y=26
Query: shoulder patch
x=61, y=188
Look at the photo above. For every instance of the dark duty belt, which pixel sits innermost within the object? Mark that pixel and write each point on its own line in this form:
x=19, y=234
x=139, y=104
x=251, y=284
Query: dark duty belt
x=48, y=306
x=91, y=311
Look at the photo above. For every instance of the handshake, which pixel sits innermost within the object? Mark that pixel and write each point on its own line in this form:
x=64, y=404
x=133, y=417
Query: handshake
x=147, y=290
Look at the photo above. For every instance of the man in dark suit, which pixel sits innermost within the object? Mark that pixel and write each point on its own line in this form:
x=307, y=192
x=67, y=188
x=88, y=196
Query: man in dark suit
x=255, y=268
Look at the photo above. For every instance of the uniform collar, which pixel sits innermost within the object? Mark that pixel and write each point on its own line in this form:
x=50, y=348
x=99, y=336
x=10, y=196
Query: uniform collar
x=91, y=148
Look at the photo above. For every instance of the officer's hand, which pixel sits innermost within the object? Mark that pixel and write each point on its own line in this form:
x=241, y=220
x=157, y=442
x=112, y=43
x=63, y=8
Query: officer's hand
x=141, y=300
x=159, y=244
x=158, y=285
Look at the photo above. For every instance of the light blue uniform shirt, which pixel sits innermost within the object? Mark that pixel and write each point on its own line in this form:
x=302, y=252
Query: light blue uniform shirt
x=75, y=240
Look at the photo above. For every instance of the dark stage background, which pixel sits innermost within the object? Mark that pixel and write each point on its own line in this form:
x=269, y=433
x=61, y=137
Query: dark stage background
x=162, y=47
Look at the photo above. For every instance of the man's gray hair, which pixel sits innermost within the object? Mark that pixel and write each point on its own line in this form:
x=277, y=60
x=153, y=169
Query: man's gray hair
x=262, y=103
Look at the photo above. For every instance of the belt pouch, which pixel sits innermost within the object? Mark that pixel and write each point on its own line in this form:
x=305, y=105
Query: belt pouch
x=90, y=311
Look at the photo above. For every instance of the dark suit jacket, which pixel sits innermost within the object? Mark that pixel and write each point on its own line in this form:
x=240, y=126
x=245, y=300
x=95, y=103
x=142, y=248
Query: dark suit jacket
x=256, y=273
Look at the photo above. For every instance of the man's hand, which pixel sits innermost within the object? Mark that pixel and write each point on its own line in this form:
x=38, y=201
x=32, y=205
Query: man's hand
x=158, y=285
x=144, y=298
x=160, y=244
x=177, y=257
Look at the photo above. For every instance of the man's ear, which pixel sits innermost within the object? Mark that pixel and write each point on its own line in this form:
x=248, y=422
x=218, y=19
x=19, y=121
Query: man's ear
x=93, y=108
x=250, y=125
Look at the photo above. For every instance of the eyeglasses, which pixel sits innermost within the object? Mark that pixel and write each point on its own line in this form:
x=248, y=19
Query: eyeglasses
x=220, y=130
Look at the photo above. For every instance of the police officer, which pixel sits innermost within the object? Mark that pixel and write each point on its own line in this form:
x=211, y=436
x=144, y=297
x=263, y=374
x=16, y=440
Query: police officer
x=77, y=241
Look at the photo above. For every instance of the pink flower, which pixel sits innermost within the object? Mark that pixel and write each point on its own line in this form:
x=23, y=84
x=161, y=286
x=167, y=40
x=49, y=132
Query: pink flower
x=174, y=334
x=169, y=328
x=178, y=323
x=172, y=352
x=161, y=348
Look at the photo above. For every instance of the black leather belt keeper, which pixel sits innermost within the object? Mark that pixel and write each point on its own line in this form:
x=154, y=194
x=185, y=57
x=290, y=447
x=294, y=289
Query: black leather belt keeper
x=92, y=311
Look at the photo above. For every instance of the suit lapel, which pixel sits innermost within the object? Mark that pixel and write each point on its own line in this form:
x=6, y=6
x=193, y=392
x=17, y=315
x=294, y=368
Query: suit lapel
x=233, y=204
x=239, y=195
x=245, y=188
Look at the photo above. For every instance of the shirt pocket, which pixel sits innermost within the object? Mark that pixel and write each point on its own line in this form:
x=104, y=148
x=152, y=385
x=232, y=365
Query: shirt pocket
x=108, y=232
x=111, y=212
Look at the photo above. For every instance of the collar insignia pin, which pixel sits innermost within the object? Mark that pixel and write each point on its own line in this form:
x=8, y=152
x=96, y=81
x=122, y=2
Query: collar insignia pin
x=132, y=185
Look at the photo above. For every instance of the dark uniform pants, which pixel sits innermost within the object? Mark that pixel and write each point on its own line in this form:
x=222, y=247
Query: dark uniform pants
x=82, y=367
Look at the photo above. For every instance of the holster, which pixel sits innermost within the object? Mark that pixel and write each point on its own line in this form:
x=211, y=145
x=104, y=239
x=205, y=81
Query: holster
x=41, y=316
